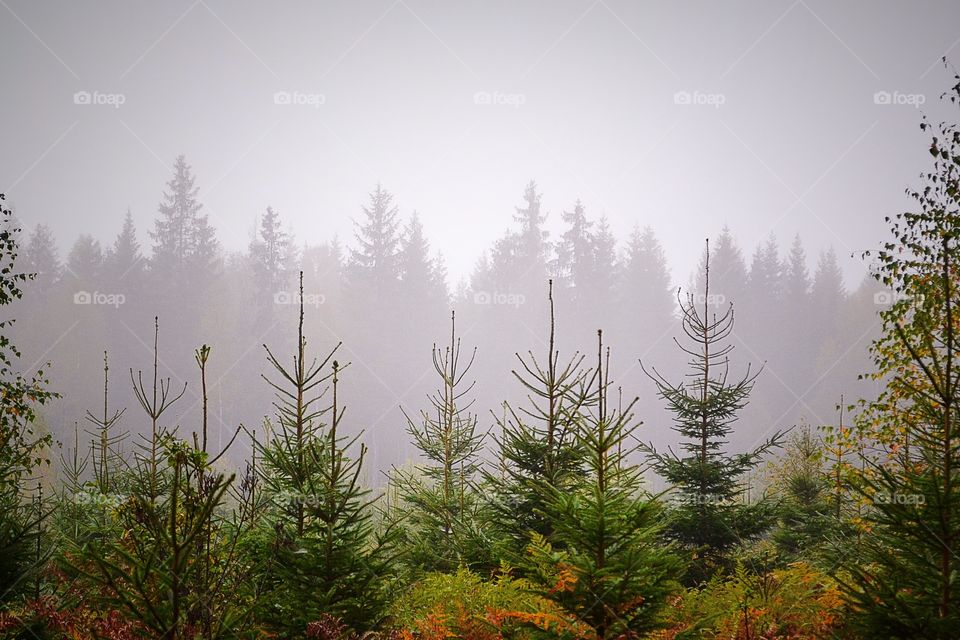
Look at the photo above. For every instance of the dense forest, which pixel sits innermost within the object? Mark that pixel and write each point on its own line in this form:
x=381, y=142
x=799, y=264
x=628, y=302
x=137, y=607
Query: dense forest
x=795, y=317
x=326, y=442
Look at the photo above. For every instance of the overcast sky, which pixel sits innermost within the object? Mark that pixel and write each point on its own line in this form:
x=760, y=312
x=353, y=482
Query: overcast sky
x=685, y=116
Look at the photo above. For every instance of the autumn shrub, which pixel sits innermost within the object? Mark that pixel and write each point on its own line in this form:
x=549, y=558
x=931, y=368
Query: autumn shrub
x=463, y=605
x=790, y=603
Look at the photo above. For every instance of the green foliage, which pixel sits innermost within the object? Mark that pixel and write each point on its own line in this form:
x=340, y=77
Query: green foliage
x=441, y=507
x=609, y=570
x=904, y=581
x=152, y=572
x=710, y=516
x=805, y=522
x=329, y=556
x=538, y=444
x=22, y=448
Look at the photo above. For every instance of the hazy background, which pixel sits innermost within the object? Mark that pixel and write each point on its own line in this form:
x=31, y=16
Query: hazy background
x=802, y=119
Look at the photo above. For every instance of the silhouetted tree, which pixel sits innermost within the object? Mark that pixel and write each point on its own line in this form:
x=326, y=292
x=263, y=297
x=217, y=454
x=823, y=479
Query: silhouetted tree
x=124, y=262
x=729, y=272
x=85, y=261
x=175, y=236
x=644, y=291
x=40, y=257
x=373, y=266
x=826, y=296
x=270, y=257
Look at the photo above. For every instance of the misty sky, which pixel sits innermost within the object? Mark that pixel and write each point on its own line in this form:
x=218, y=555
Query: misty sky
x=454, y=106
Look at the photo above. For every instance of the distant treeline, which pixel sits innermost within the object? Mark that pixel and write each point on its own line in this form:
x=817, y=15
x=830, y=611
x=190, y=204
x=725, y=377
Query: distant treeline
x=385, y=296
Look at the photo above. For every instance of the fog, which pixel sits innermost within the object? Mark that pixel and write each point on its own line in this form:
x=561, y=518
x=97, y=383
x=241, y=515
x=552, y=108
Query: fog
x=186, y=160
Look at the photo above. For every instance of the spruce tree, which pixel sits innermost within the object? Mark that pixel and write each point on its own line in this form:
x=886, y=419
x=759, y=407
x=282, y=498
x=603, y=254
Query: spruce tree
x=644, y=291
x=603, y=562
x=423, y=288
x=440, y=498
x=330, y=556
x=124, y=262
x=270, y=256
x=805, y=518
x=373, y=266
x=576, y=253
x=826, y=295
x=519, y=260
x=729, y=273
x=85, y=261
x=710, y=516
x=174, y=235
x=538, y=447
x=765, y=278
x=41, y=259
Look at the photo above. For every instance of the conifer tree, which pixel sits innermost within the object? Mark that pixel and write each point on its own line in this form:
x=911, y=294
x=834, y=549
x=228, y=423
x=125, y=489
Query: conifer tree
x=537, y=443
x=271, y=251
x=85, y=261
x=519, y=260
x=40, y=258
x=175, y=232
x=729, y=273
x=710, y=516
x=826, y=295
x=603, y=562
x=440, y=500
x=374, y=262
x=796, y=276
x=644, y=289
x=764, y=280
x=904, y=581
x=422, y=285
x=330, y=557
x=576, y=253
x=805, y=521
x=124, y=261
